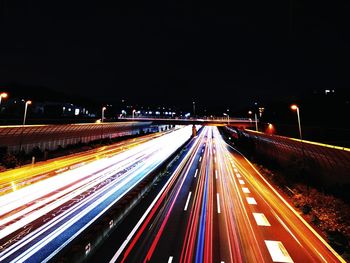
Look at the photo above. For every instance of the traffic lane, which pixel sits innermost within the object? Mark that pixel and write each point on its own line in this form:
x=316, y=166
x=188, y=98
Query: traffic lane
x=272, y=237
x=191, y=230
x=302, y=239
x=235, y=224
x=172, y=227
x=17, y=178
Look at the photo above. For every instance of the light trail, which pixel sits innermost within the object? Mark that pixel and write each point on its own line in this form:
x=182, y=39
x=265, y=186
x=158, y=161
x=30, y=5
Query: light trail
x=250, y=222
x=71, y=201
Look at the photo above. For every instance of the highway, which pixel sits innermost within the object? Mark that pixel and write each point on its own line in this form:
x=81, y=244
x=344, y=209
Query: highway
x=20, y=177
x=216, y=207
x=40, y=219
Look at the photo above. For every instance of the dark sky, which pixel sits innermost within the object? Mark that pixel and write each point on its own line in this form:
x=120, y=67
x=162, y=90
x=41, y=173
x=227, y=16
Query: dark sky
x=230, y=53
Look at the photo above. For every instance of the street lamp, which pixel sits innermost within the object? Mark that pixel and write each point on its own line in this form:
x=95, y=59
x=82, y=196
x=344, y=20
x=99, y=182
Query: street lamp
x=133, y=113
x=194, y=109
x=28, y=102
x=103, y=113
x=3, y=95
x=228, y=118
x=256, y=119
x=295, y=107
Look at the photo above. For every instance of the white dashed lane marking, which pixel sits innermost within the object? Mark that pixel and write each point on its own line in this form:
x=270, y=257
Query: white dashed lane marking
x=188, y=200
x=278, y=252
x=251, y=201
x=218, y=201
x=245, y=190
x=261, y=219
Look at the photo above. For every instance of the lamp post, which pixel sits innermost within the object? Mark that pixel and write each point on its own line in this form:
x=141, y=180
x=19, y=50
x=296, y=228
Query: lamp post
x=103, y=113
x=296, y=108
x=256, y=119
x=228, y=118
x=28, y=102
x=133, y=113
x=194, y=109
x=3, y=95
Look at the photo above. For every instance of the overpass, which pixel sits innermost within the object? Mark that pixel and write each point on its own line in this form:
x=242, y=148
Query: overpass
x=242, y=123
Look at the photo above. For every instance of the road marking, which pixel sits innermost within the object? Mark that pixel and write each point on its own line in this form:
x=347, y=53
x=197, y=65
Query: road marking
x=216, y=174
x=218, y=201
x=170, y=259
x=251, y=201
x=238, y=175
x=261, y=219
x=195, y=174
x=214, y=151
x=235, y=169
x=200, y=158
x=202, y=150
x=214, y=159
x=241, y=182
x=188, y=200
x=245, y=190
x=278, y=252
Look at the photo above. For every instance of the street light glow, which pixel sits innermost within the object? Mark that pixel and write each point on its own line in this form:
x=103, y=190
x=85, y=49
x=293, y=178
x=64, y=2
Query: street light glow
x=28, y=102
x=294, y=107
x=4, y=95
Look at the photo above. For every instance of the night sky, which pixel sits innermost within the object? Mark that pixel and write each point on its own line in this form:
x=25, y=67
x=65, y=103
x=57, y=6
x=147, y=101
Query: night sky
x=177, y=51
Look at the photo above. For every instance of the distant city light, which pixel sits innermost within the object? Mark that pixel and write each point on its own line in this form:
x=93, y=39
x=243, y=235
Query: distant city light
x=77, y=111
